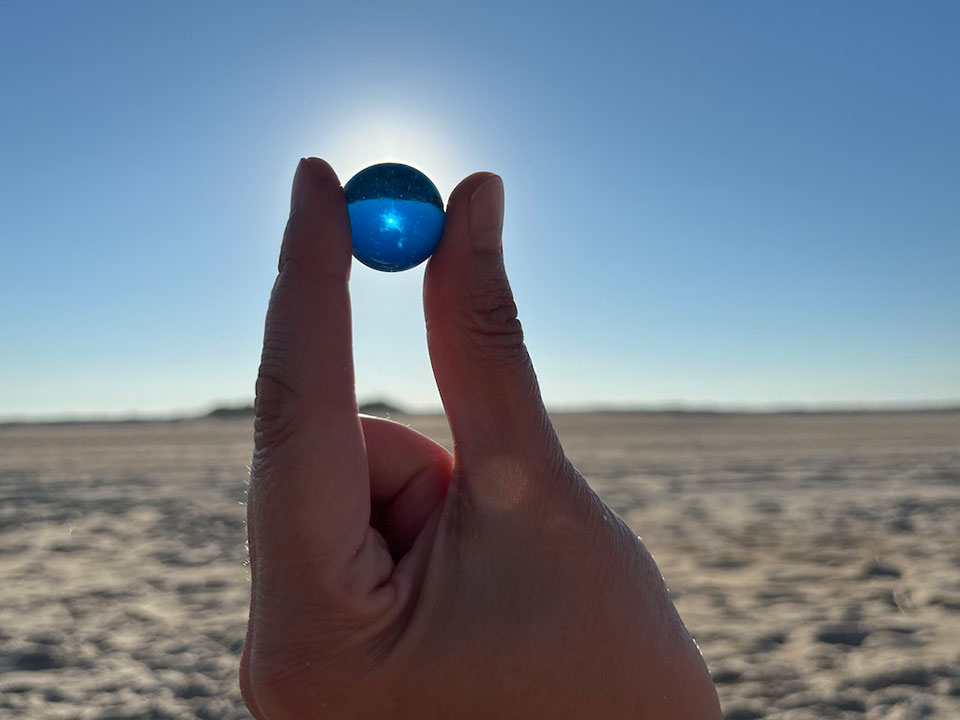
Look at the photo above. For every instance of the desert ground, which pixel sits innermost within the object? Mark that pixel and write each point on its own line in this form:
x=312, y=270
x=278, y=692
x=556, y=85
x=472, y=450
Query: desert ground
x=815, y=558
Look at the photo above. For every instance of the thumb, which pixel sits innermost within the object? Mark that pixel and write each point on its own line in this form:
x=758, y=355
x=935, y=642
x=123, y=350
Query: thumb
x=484, y=374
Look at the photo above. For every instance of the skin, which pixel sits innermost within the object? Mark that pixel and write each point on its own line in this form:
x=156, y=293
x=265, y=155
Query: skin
x=393, y=580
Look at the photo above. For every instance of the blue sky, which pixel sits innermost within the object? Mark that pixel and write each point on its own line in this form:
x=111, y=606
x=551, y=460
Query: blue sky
x=725, y=203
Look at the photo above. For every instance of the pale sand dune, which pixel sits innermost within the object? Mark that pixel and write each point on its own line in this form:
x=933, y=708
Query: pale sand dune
x=815, y=558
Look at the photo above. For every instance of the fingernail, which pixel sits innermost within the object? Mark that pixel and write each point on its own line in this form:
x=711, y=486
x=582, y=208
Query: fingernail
x=486, y=214
x=301, y=180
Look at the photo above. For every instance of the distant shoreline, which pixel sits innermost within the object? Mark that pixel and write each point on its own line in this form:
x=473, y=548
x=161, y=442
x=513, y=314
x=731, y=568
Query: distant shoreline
x=246, y=412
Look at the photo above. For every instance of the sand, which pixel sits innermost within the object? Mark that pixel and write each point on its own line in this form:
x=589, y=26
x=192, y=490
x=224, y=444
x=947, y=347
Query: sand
x=816, y=559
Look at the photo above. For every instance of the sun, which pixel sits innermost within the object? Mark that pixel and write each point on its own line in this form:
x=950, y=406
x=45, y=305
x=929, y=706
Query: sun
x=391, y=220
x=369, y=137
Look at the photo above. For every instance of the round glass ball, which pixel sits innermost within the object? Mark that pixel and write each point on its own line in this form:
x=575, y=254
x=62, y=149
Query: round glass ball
x=396, y=216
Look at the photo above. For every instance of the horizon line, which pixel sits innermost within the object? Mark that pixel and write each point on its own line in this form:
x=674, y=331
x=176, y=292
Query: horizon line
x=386, y=408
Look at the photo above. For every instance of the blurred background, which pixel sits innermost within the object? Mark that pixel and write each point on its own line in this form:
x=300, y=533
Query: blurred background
x=727, y=225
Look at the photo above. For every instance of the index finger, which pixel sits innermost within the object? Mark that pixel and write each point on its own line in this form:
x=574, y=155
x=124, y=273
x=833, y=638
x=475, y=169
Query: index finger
x=309, y=494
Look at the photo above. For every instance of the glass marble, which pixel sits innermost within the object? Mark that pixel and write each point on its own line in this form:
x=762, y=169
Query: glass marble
x=396, y=216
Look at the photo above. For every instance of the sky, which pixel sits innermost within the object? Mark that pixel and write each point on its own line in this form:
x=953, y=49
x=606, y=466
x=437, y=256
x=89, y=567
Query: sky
x=709, y=204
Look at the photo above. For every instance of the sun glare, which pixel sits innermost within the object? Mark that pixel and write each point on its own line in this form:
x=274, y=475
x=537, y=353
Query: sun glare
x=392, y=221
x=369, y=137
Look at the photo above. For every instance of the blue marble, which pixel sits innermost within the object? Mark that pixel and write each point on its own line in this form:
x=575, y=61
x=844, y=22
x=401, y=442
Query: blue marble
x=396, y=216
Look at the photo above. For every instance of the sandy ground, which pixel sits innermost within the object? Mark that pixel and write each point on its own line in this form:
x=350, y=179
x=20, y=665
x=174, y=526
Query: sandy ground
x=816, y=559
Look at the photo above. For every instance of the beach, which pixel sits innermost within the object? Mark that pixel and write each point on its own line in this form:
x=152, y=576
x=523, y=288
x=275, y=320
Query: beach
x=814, y=557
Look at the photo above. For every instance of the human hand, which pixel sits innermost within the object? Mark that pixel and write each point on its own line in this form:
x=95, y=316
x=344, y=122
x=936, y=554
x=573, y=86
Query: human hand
x=391, y=580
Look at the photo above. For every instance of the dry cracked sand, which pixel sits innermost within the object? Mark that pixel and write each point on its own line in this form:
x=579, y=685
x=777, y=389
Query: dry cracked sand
x=816, y=558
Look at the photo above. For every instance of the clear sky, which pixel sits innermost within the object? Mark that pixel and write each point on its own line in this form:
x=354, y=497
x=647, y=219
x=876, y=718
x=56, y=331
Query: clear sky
x=737, y=203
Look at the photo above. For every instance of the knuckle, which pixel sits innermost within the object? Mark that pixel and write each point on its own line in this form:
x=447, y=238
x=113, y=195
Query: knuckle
x=277, y=409
x=489, y=314
x=293, y=234
x=297, y=236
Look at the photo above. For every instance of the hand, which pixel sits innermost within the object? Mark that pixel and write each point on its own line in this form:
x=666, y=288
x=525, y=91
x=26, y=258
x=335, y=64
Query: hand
x=391, y=580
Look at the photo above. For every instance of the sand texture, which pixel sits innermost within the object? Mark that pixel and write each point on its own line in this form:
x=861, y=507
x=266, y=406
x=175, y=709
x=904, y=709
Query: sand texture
x=816, y=559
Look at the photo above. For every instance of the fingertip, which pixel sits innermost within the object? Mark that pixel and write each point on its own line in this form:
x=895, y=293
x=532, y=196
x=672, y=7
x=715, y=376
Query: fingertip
x=460, y=197
x=455, y=248
x=320, y=169
x=317, y=235
x=312, y=175
x=486, y=215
